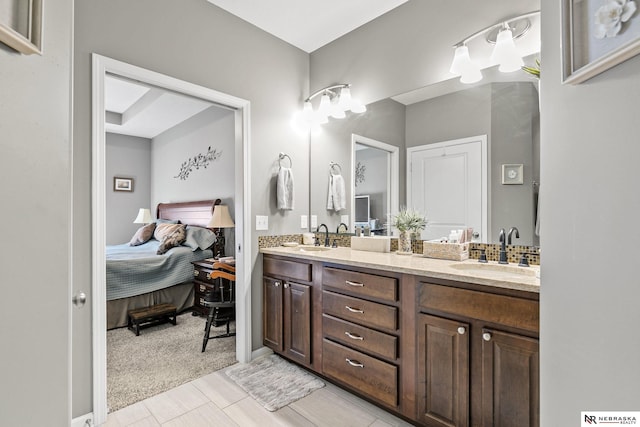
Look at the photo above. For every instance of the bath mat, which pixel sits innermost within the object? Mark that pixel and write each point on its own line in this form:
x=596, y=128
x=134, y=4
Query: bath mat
x=273, y=382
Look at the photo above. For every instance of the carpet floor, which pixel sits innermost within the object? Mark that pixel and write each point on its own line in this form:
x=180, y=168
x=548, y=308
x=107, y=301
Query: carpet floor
x=162, y=357
x=273, y=381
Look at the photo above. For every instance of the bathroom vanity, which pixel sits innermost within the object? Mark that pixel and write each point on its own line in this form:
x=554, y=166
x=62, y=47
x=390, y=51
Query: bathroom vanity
x=441, y=343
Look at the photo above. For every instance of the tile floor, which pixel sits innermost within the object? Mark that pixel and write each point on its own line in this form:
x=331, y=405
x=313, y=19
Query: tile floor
x=215, y=400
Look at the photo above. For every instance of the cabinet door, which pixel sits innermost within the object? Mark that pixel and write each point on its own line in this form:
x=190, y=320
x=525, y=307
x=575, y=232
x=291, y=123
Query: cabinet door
x=272, y=314
x=443, y=372
x=297, y=322
x=510, y=380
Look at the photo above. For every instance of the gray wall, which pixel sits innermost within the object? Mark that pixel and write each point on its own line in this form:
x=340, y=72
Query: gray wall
x=590, y=203
x=206, y=46
x=35, y=166
x=128, y=157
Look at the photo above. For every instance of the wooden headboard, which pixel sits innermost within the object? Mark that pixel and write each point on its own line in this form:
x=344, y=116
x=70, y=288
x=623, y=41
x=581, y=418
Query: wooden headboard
x=190, y=213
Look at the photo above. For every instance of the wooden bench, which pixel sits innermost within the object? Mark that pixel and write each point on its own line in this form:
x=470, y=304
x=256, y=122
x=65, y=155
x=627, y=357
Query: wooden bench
x=151, y=316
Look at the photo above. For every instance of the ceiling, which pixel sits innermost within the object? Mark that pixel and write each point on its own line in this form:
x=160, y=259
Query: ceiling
x=308, y=24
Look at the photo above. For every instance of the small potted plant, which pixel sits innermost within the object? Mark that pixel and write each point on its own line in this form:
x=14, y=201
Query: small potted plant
x=408, y=222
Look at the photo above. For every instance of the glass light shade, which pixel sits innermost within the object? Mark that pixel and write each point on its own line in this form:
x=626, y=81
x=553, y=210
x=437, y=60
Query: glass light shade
x=357, y=106
x=505, y=52
x=221, y=218
x=325, y=105
x=336, y=110
x=345, y=99
x=462, y=65
x=144, y=217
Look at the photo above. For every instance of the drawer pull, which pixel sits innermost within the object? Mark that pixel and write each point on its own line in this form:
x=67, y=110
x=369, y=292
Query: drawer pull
x=353, y=310
x=354, y=363
x=195, y=273
x=350, y=283
x=353, y=337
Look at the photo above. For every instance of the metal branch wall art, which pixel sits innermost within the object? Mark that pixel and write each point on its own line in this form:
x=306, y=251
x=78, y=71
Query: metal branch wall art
x=360, y=170
x=197, y=162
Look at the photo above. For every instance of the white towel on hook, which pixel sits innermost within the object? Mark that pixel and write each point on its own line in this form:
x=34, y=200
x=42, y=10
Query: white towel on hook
x=284, y=189
x=337, y=199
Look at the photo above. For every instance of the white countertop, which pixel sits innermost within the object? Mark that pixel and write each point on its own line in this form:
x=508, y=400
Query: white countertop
x=471, y=271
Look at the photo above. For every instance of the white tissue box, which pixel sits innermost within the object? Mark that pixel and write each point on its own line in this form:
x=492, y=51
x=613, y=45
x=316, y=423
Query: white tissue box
x=371, y=243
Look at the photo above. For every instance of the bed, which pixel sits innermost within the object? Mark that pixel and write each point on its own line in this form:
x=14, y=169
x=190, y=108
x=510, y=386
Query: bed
x=137, y=276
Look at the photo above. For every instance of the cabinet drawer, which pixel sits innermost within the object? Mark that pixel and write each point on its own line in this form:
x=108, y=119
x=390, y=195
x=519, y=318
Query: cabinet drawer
x=362, y=284
x=202, y=275
x=203, y=288
x=366, y=374
x=360, y=337
x=505, y=310
x=284, y=268
x=360, y=311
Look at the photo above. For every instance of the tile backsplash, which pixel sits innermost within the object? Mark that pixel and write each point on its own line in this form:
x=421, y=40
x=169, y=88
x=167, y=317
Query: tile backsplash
x=492, y=250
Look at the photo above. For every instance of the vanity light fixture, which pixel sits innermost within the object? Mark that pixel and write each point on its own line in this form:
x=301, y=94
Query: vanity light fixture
x=505, y=53
x=335, y=101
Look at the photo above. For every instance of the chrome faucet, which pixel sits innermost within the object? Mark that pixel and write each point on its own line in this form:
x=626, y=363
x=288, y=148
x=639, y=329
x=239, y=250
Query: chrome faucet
x=340, y=225
x=511, y=232
x=503, y=249
x=326, y=233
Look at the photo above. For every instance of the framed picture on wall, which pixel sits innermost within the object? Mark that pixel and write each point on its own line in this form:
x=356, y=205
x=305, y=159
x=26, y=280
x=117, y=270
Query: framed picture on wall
x=512, y=174
x=21, y=25
x=597, y=35
x=122, y=184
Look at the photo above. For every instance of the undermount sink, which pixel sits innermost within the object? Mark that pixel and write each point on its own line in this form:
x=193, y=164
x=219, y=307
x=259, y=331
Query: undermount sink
x=501, y=270
x=306, y=248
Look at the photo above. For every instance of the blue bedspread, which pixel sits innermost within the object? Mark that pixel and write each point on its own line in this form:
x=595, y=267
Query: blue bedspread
x=136, y=270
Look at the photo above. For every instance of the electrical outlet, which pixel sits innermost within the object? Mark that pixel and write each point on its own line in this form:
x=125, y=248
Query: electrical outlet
x=262, y=222
x=303, y=221
x=314, y=221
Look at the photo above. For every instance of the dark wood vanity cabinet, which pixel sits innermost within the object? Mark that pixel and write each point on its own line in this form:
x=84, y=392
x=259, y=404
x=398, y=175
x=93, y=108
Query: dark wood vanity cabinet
x=434, y=351
x=478, y=358
x=287, y=309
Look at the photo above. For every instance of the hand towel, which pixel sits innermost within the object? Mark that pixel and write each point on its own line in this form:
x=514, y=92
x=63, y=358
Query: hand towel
x=337, y=199
x=284, y=189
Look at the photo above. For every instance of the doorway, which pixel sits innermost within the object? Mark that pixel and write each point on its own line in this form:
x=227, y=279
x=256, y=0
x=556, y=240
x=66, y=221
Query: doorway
x=101, y=67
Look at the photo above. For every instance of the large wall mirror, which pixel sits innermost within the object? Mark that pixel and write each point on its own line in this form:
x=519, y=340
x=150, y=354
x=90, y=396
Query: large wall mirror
x=506, y=112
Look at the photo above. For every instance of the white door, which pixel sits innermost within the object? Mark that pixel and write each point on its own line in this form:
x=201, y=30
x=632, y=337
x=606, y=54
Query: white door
x=447, y=181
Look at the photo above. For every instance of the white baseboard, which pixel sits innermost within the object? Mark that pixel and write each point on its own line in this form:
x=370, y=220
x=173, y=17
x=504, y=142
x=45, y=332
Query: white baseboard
x=262, y=351
x=83, y=421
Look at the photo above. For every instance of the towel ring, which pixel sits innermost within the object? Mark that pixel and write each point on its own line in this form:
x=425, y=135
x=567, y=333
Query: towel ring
x=332, y=169
x=282, y=156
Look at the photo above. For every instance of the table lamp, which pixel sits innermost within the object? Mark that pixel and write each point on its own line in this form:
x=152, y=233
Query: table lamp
x=144, y=217
x=219, y=220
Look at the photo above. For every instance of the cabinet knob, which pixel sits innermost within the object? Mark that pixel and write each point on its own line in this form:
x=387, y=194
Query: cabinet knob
x=195, y=273
x=286, y=285
x=486, y=336
x=354, y=363
x=276, y=284
x=462, y=330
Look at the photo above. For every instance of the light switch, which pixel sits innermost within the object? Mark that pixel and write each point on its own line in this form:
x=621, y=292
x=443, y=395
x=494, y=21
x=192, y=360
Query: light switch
x=303, y=221
x=314, y=221
x=262, y=222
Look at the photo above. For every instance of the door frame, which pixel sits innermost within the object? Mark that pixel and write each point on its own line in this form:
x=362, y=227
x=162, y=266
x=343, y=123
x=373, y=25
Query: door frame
x=484, y=155
x=393, y=178
x=101, y=66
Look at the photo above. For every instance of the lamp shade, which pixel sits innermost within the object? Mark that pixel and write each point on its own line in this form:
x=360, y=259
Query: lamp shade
x=144, y=217
x=505, y=52
x=463, y=66
x=221, y=218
